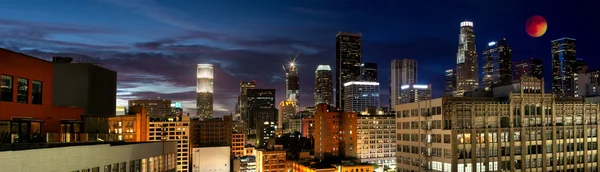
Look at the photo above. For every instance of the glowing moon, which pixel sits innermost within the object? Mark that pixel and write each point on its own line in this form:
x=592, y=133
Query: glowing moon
x=536, y=26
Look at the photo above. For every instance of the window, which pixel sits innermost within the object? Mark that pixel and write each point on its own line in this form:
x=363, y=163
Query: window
x=22, y=90
x=96, y=169
x=6, y=94
x=36, y=92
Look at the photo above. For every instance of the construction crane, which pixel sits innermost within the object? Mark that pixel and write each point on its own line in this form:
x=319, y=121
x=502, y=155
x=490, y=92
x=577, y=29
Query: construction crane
x=292, y=62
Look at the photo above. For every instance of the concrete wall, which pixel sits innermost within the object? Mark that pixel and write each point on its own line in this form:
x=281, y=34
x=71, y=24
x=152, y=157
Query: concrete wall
x=213, y=159
x=73, y=158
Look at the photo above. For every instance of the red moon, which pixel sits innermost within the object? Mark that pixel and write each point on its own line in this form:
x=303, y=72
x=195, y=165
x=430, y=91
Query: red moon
x=536, y=26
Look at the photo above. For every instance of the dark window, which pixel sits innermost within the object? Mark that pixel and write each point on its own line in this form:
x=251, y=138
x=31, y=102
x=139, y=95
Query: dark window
x=6, y=93
x=23, y=89
x=36, y=92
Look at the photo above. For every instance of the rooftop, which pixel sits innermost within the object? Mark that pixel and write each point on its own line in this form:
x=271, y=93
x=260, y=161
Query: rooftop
x=44, y=145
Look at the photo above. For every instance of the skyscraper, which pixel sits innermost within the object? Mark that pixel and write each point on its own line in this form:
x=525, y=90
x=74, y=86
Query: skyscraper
x=467, y=75
x=360, y=95
x=323, y=85
x=450, y=82
x=413, y=93
x=564, y=61
x=368, y=72
x=334, y=133
x=242, y=99
x=531, y=67
x=260, y=109
x=348, y=56
x=292, y=83
x=497, y=64
x=287, y=110
x=204, y=91
x=403, y=72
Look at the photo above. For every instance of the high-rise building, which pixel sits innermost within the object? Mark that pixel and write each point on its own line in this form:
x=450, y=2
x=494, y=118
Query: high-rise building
x=564, y=61
x=260, y=109
x=588, y=84
x=347, y=57
x=360, y=95
x=403, y=72
x=377, y=139
x=212, y=132
x=242, y=104
x=530, y=67
x=450, y=82
x=414, y=93
x=287, y=110
x=497, y=64
x=204, y=91
x=323, y=85
x=368, y=72
x=292, y=83
x=176, y=129
x=335, y=133
x=80, y=81
x=525, y=129
x=154, y=108
x=467, y=75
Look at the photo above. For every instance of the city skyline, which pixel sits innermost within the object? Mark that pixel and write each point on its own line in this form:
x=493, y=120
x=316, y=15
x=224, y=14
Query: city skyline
x=152, y=65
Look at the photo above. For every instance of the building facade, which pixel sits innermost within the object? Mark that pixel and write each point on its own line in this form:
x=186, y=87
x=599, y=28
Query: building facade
x=287, y=110
x=414, y=93
x=334, y=133
x=402, y=72
x=360, y=95
x=450, y=82
x=270, y=161
x=564, y=66
x=176, y=129
x=467, y=70
x=261, y=108
x=368, y=72
x=204, y=90
x=531, y=67
x=323, y=85
x=497, y=64
x=154, y=108
x=588, y=84
x=292, y=83
x=376, y=139
x=242, y=104
x=348, y=48
x=238, y=142
x=526, y=130
x=216, y=159
x=212, y=132
x=130, y=128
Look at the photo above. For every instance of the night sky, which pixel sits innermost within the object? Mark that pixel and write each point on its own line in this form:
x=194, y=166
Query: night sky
x=155, y=45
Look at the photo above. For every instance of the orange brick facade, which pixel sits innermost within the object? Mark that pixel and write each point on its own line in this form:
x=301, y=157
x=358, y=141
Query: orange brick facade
x=334, y=133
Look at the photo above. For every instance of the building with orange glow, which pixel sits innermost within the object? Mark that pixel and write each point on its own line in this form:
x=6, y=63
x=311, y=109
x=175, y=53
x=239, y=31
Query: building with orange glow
x=309, y=166
x=237, y=144
x=308, y=127
x=287, y=110
x=352, y=166
x=316, y=165
x=130, y=128
x=270, y=160
x=335, y=133
x=26, y=87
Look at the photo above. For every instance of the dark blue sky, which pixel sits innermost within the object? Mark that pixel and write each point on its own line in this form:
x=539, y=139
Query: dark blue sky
x=154, y=45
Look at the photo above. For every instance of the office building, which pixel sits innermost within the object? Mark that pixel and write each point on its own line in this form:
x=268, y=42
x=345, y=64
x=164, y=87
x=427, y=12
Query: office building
x=270, y=160
x=361, y=95
x=450, y=82
x=91, y=156
x=403, y=72
x=82, y=82
x=334, y=133
x=564, y=64
x=308, y=127
x=376, y=143
x=531, y=67
x=176, y=129
x=414, y=93
x=287, y=110
x=26, y=99
x=519, y=128
x=497, y=64
x=265, y=132
x=292, y=82
x=588, y=84
x=215, y=159
x=130, y=128
x=295, y=125
x=121, y=110
x=313, y=165
x=323, y=85
x=368, y=72
x=154, y=108
x=238, y=142
x=204, y=90
x=260, y=108
x=176, y=109
x=467, y=70
x=212, y=132
x=348, y=54
x=247, y=163
x=242, y=99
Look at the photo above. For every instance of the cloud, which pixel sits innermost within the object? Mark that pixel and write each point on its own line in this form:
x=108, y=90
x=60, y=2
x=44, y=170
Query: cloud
x=157, y=12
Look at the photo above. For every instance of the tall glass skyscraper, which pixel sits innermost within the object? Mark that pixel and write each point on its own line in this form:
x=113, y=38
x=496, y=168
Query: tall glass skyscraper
x=204, y=91
x=242, y=104
x=348, y=56
x=292, y=83
x=450, y=82
x=467, y=77
x=497, y=64
x=403, y=72
x=360, y=95
x=564, y=66
x=323, y=85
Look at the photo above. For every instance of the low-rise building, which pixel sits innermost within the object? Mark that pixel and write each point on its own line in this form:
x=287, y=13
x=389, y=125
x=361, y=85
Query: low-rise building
x=270, y=160
x=174, y=129
x=237, y=144
x=213, y=159
x=376, y=132
x=212, y=132
x=130, y=128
